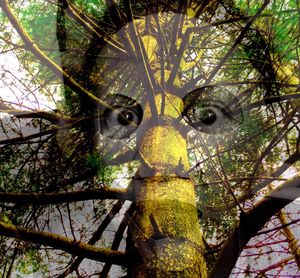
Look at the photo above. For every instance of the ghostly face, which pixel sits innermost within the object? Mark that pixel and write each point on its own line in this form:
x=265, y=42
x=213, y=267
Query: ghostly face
x=174, y=90
x=163, y=77
x=170, y=67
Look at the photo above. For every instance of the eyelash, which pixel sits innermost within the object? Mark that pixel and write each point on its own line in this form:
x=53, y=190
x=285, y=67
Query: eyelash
x=205, y=115
x=210, y=114
x=121, y=121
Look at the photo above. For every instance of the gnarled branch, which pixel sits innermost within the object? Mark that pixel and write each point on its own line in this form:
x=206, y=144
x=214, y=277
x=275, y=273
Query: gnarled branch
x=38, y=53
x=63, y=197
x=253, y=221
x=63, y=243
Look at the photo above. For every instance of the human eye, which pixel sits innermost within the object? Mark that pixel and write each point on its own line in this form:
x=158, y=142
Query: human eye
x=121, y=118
x=212, y=111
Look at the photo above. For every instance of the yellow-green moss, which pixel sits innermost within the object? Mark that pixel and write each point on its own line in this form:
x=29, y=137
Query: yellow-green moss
x=173, y=106
x=165, y=149
x=165, y=228
x=171, y=258
x=179, y=252
x=170, y=200
x=172, y=203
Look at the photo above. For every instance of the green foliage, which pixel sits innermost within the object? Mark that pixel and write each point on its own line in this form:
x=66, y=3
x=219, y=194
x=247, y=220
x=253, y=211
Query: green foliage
x=39, y=18
x=97, y=162
x=13, y=174
x=254, y=127
x=282, y=19
x=30, y=262
x=96, y=8
x=70, y=103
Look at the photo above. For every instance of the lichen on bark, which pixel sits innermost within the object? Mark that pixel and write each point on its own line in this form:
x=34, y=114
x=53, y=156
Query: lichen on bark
x=165, y=230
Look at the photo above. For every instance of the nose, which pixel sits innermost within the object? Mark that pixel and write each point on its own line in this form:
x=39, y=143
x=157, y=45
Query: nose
x=162, y=146
x=165, y=195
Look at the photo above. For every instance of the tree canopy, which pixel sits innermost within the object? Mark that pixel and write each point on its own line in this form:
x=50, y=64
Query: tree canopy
x=196, y=100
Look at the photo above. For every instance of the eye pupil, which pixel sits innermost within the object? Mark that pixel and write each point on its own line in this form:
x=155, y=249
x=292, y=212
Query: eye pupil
x=122, y=118
x=125, y=117
x=208, y=117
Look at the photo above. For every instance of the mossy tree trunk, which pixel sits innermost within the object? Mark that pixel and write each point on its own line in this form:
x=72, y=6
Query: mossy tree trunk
x=165, y=230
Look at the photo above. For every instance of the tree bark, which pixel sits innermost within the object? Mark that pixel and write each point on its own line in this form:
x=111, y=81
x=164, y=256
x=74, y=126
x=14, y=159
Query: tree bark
x=165, y=230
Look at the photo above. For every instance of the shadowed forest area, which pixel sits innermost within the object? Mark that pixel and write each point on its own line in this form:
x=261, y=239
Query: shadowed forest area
x=149, y=138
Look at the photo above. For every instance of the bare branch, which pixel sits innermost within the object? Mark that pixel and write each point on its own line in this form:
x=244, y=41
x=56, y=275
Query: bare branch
x=253, y=221
x=230, y=51
x=118, y=237
x=96, y=236
x=63, y=243
x=285, y=165
x=24, y=139
x=292, y=241
x=34, y=48
x=264, y=102
x=89, y=24
x=64, y=197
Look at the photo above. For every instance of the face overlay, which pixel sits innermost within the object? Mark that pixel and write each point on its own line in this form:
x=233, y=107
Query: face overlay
x=176, y=92
x=147, y=81
x=149, y=138
x=175, y=88
x=169, y=106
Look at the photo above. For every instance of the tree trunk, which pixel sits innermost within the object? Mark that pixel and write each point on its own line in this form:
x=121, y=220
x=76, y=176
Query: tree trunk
x=165, y=231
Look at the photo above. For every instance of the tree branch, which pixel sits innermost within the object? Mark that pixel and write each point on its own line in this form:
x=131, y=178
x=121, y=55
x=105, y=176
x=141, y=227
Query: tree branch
x=95, y=237
x=253, y=221
x=39, y=54
x=264, y=102
x=291, y=239
x=89, y=24
x=229, y=53
x=28, y=114
x=285, y=165
x=118, y=237
x=23, y=139
x=64, y=197
x=63, y=243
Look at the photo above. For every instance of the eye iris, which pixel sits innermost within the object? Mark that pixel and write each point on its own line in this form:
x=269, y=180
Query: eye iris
x=208, y=117
x=125, y=117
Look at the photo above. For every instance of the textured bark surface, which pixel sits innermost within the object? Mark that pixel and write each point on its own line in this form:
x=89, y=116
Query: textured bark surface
x=165, y=231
